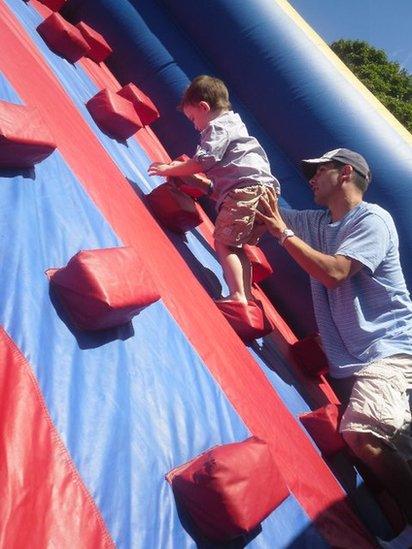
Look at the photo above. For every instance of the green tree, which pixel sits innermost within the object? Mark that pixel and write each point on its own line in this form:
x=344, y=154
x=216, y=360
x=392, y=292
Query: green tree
x=391, y=84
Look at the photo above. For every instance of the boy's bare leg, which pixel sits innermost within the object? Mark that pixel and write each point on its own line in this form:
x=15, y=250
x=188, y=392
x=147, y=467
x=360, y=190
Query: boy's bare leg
x=247, y=273
x=237, y=272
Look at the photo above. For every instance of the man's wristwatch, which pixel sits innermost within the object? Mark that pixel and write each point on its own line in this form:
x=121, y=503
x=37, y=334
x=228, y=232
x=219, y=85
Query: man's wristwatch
x=286, y=233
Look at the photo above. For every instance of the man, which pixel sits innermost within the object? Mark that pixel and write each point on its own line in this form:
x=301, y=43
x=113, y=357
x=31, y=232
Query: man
x=363, y=311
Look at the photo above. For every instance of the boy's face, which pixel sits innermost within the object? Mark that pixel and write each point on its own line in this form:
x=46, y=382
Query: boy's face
x=198, y=114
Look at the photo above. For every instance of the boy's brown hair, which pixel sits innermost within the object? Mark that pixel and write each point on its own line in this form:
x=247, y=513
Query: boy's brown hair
x=209, y=89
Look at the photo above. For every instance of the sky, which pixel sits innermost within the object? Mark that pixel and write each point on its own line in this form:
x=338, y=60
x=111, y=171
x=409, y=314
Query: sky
x=385, y=24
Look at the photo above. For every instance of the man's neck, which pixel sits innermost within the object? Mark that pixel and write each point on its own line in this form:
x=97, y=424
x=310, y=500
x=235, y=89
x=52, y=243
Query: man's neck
x=339, y=209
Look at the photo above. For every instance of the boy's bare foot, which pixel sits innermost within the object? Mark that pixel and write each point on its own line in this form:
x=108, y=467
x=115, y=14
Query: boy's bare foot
x=230, y=299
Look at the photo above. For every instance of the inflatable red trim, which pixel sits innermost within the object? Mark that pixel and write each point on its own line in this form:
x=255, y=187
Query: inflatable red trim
x=37, y=471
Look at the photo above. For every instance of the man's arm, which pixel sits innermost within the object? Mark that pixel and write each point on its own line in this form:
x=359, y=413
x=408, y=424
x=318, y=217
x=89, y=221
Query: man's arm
x=329, y=270
x=176, y=168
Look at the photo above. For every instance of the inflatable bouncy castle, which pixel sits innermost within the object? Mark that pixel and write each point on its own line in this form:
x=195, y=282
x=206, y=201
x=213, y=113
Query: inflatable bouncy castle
x=134, y=412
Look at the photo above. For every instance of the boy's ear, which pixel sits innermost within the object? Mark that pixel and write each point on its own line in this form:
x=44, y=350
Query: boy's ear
x=204, y=105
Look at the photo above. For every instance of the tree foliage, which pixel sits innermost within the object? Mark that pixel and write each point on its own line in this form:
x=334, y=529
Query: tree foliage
x=391, y=84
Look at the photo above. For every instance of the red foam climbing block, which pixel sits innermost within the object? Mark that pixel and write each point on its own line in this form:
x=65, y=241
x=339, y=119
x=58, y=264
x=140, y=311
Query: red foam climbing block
x=63, y=38
x=114, y=115
x=310, y=356
x=54, y=5
x=229, y=489
x=323, y=426
x=188, y=183
x=188, y=189
x=99, y=48
x=103, y=288
x=144, y=106
x=261, y=267
x=248, y=320
x=174, y=209
x=25, y=140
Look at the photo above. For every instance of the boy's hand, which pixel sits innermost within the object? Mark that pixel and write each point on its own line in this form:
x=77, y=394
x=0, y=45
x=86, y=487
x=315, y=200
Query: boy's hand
x=158, y=168
x=176, y=168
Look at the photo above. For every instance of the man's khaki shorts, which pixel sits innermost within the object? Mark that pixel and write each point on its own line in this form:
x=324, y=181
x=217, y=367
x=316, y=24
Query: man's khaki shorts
x=380, y=403
x=235, y=224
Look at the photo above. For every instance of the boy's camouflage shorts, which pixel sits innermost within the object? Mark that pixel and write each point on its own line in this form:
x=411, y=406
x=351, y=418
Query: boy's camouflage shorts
x=236, y=223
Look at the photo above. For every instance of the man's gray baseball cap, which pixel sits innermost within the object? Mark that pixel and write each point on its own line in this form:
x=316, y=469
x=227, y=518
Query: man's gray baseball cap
x=346, y=156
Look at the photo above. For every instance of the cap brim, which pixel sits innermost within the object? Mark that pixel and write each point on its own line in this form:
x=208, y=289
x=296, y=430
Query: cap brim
x=310, y=166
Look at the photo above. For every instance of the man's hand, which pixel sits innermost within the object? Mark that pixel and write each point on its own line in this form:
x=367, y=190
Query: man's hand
x=269, y=214
x=330, y=270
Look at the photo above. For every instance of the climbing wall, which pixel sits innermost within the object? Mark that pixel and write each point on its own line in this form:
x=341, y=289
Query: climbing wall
x=93, y=420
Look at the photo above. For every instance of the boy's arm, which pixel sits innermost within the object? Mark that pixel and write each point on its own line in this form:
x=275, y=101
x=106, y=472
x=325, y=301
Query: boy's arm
x=183, y=168
x=175, y=168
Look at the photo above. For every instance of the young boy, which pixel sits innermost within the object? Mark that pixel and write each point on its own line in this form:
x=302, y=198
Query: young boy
x=240, y=176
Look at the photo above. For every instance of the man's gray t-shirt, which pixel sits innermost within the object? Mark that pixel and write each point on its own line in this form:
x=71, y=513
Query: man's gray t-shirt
x=369, y=316
x=231, y=157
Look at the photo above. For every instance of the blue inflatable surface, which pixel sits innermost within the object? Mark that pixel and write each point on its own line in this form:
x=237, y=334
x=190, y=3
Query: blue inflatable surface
x=132, y=403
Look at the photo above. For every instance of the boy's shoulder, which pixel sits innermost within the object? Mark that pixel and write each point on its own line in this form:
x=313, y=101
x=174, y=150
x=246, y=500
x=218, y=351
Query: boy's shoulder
x=226, y=120
x=227, y=125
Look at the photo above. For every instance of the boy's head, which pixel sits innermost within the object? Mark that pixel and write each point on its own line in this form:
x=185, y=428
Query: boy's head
x=204, y=97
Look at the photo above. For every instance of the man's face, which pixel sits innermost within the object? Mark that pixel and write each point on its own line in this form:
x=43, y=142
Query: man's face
x=324, y=183
x=198, y=114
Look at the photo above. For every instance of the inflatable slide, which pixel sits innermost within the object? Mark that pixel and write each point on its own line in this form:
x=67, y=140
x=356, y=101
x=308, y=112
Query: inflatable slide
x=134, y=414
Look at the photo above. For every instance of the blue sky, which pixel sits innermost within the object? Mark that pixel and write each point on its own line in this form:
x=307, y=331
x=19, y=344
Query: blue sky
x=385, y=24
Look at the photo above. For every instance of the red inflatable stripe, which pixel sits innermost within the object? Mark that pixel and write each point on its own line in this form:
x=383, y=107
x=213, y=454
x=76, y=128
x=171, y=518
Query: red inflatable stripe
x=43, y=501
